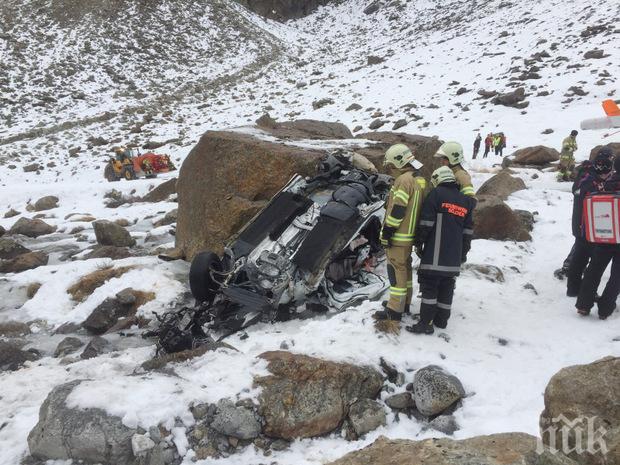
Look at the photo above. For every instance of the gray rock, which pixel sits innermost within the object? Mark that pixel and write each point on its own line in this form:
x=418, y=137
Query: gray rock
x=32, y=228
x=10, y=248
x=374, y=60
x=445, y=424
x=11, y=213
x=169, y=218
x=108, y=251
x=366, y=415
x=46, y=203
x=161, y=192
x=127, y=296
x=32, y=167
x=400, y=401
x=104, y=316
x=399, y=124
x=27, y=261
x=67, y=346
x=376, y=124
x=2, y=231
x=141, y=444
x=354, y=107
x=90, y=435
x=434, y=390
x=97, y=346
x=489, y=272
x=238, y=422
x=109, y=233
x=502, y=185
x=12, y=358
x=322, y=102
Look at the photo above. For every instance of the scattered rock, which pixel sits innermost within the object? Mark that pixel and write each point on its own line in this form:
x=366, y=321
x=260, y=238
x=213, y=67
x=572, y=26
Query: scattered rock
x=238, y=422
x=399, y=124
x=96, y=347
x=31, y=227
x=108, y=251
x=32, y=168
x=547, y=131
x=354, y=107
x=322, y=103
x=445, y=424
x=462, y=90
x=161, y=192
x=46, y=203
x=162, y=361
x=27, y=261
x=91, y=435
x=434, y=390
x=489, y=272
x=502, y=185
x=10, y=249
x=11, y=213
x=14, y=329
x=109, y=233
x=400, y=401
x=107, y=314
x=376, y=124
x=496, y=449
x=141, y=444
x=266, y=121
x=372, y=8
x=580, y=394
x=594, y=54
x=67, y=346
x=374, y=60
x=511, y=99
x=307, y=397
x=493, y=219
x=169, y=218
x=365, y=416
x=12, y=358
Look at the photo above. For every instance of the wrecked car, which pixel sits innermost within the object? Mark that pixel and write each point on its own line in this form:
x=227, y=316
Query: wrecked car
x=313, y=248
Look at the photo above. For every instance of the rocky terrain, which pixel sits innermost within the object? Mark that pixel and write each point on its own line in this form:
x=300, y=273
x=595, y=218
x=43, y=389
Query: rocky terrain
x=242, y=95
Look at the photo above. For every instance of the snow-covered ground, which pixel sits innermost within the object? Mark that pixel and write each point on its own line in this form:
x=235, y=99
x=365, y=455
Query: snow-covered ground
x=504, y=341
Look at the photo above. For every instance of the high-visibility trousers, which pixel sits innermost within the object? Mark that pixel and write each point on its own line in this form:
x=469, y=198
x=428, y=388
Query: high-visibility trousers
x=400, y=274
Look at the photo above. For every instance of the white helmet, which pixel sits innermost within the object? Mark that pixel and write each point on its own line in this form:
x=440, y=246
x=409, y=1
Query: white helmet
x=453, y=151
x=400, y=155
x=441, y=175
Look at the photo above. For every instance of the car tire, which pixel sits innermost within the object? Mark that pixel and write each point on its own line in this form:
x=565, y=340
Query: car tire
x=109, y=173
x=128, y=173
x=201, y=283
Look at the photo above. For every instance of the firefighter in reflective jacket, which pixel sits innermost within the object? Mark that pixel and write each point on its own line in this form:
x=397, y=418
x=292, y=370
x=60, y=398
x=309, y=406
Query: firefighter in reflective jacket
x=451, y=154
x=567, y=156
x=397, y=233
x=442, y=241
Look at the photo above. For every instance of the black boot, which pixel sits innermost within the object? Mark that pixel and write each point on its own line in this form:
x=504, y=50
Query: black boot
x=421, y=328
x=387, y=314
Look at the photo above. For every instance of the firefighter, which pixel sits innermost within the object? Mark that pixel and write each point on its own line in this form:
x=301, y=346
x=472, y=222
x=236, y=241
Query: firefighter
x=397, y=233
x=593, y=181
x=567, y=156
x=451, y=154
x=442, y=242
x=602, y=254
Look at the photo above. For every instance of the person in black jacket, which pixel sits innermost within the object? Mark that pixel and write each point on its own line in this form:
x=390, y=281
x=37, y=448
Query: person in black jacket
x=602, y=254
x=592, y=182
x=442, y=241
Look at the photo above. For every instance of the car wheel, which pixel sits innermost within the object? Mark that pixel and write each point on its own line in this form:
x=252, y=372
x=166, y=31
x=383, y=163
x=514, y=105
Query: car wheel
x=109, y=173
x=129, y=173
x=201, y=283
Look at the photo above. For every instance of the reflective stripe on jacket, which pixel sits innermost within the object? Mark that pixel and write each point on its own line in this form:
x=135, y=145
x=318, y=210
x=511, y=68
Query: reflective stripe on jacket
x=463, y=179
x=402, y=209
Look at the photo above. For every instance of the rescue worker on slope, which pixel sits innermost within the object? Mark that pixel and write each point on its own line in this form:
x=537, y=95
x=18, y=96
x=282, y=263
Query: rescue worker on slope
x=477, y=142
x=397, y=233
x=567, y=156
x=602, y=254
x=451, y=154
x=593, y=181
x=442, y=241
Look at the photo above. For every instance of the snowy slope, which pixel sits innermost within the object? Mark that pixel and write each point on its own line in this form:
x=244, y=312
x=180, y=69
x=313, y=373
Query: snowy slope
x=224, y=67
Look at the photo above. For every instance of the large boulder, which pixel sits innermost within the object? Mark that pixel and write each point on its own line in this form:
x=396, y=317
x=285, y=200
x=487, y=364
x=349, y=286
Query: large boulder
x=538, y=155
x=27, y=261
x=310, y=129
x=435, y=390
x=109, y=233
x=226, y=179
x=10, y=248
x=31, y=227
x=514, y=99
x=107, y=314
x=91, y=435
x=496, y=449
x=613, y=146
x=46, y=203
x=493, y=219
x=305, y=396
x=423, y=148
x=501, y=186
x=583, y=402
x=282, y=10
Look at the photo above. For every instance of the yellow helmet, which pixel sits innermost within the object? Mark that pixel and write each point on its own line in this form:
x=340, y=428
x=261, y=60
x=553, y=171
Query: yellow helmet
x=400, y=155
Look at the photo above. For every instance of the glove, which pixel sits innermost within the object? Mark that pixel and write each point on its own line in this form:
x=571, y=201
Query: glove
x=419, y=251
x=386, y=236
